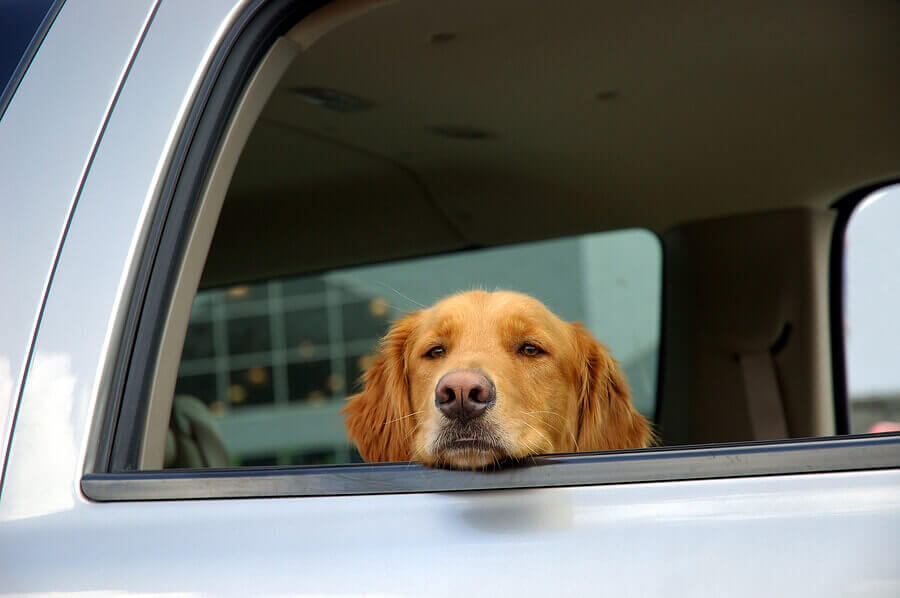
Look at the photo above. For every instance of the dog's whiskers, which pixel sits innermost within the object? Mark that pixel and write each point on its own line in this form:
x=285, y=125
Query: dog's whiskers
x=413, y=431
x=544, y=411
x=410, y=299
x=539, y=433
x=405, y=416
x=415, y=454
x=572, y=434
x=554, y=428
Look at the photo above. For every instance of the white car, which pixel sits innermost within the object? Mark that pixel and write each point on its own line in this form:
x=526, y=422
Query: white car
x=211, y=210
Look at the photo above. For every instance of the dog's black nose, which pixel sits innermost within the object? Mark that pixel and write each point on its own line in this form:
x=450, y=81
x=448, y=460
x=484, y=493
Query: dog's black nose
x=464, y=394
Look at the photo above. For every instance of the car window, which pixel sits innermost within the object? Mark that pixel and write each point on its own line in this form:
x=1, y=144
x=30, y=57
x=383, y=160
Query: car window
x=21, y=30
x=274, y=360
x=871, y=316
x=319, y=201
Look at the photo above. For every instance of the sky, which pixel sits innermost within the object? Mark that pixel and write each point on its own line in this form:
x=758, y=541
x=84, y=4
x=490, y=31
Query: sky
x=872, y=295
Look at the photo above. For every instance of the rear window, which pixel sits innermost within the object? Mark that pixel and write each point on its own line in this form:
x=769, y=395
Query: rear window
x=274, y=360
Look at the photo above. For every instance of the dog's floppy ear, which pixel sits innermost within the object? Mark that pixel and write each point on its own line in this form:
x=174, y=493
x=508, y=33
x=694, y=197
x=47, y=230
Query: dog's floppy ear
x=606, y=418
x=379, y=418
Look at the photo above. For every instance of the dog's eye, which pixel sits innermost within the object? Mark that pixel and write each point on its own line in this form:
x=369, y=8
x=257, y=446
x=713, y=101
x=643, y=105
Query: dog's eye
x=435, y=352
x=529, y=350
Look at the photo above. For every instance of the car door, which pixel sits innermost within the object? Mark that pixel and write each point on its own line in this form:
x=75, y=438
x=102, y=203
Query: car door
x=783, y=517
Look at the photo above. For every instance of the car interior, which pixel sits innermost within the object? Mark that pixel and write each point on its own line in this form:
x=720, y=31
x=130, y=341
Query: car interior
x=383, y=147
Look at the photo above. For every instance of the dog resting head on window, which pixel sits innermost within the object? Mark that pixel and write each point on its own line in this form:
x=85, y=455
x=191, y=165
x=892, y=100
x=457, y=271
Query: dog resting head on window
x=481, y=377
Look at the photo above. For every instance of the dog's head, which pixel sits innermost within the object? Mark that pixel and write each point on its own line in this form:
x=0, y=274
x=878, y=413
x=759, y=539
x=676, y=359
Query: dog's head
x=480, y=377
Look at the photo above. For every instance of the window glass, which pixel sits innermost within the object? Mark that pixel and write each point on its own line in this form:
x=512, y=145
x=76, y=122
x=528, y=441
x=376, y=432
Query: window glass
x=20, y=24
x=872, y=317
x=274, y=361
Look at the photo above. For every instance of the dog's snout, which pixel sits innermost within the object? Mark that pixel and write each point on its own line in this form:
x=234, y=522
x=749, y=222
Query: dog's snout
x=464, y=394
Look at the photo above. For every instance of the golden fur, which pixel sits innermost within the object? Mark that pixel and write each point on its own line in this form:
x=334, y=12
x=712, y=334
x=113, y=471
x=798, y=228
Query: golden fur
x=570, y=396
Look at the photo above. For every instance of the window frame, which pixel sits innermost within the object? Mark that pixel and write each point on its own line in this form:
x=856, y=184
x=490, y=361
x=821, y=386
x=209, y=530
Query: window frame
x=115, y=476
x=667, y=464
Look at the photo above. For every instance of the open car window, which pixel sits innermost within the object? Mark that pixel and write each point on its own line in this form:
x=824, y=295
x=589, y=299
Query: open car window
x=319, y=201
x=274, y=361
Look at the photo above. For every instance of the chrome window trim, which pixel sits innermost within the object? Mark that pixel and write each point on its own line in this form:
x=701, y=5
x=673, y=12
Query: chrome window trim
x=865, y=452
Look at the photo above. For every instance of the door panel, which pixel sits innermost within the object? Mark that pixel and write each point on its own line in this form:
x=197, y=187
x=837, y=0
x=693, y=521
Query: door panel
x=825, y=535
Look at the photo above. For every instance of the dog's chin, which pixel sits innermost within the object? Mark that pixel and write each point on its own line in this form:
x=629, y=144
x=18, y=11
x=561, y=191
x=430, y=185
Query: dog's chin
x=468, y=457
x=465, y=451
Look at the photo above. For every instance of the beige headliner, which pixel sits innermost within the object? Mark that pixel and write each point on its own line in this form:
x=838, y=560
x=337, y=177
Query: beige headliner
x=705, y=109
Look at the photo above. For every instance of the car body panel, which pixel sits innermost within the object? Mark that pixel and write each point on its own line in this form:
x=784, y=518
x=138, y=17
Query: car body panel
x=813, y=534
x=74, y=341
x=47, y=136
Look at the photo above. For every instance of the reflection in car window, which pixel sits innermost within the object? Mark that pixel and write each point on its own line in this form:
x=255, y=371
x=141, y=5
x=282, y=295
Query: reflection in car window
x=274, y=360
x=872, y=317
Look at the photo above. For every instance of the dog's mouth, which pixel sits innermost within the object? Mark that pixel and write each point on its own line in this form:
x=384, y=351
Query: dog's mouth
x=471, y=443
x=468, y=447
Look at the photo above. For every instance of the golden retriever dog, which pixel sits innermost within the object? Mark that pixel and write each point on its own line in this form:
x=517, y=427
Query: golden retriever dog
x=482, y=377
